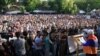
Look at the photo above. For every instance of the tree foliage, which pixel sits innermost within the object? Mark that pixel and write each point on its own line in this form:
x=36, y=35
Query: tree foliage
x=61, y=6
x=83, y=4
x=53, y=5
x=64, y=6
x=31, y=5
x=44, y=5
x=68, y=6
x=4, y=4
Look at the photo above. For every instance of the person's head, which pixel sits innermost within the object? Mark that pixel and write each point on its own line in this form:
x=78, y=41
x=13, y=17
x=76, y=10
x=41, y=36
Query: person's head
x=90, y=32
x=25, y=33
x=85, y=31
x=17, y=34
x=38, y=33
x=17, y=23
x=44, y=33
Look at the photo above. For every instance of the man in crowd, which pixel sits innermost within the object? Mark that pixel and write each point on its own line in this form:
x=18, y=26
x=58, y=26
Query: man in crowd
x=98, y=34
x=39, y=44
x=91, y=45
x=2, y=49
x=19, y=45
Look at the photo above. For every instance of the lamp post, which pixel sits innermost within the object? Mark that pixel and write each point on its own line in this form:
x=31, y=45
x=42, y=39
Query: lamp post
x=88, y=8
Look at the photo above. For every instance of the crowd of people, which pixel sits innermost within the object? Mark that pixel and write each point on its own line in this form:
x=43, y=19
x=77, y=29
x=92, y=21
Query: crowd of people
x=47, y=20
x=40, y=35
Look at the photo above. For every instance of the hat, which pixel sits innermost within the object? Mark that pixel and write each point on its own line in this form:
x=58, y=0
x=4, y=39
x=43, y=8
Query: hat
x=85, y=30
x=91, y=31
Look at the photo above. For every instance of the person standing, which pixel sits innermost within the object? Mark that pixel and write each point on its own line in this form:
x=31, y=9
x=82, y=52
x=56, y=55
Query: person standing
x=47, y=44
x=2, y=49
x=98, y=34
x=91, y=45
x=19, y=45
x=39, y=44
x=63, y=46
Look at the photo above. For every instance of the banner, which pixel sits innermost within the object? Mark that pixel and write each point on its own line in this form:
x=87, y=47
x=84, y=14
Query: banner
x=74, y=42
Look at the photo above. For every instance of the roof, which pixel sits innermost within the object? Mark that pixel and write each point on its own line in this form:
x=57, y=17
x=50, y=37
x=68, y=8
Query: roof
x=13, y=12
x=44, y=11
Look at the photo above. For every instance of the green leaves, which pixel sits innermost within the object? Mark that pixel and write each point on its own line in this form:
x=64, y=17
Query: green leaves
x=4, y=4
x=68, y=6
x=22, y=9
x=61, y=6
x=83, y=4
x=32, y=4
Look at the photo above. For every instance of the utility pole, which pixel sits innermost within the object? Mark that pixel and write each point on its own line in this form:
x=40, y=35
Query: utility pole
x=88, y=9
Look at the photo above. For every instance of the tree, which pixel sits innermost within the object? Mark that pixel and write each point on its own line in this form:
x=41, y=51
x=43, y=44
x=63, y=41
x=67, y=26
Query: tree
x=68, y=6
x=31, y=5
x=44, y=5
x=53, y=5
x=83, y=4
x=58, y=5
x=22, y=9
x=94, y=4
x=5, y=4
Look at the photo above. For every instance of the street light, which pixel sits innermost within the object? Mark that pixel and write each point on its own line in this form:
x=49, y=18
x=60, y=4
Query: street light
x=88, y=8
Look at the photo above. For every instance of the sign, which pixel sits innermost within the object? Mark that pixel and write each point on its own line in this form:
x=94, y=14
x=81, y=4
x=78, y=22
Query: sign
x=74, y=41
x=79, y=39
